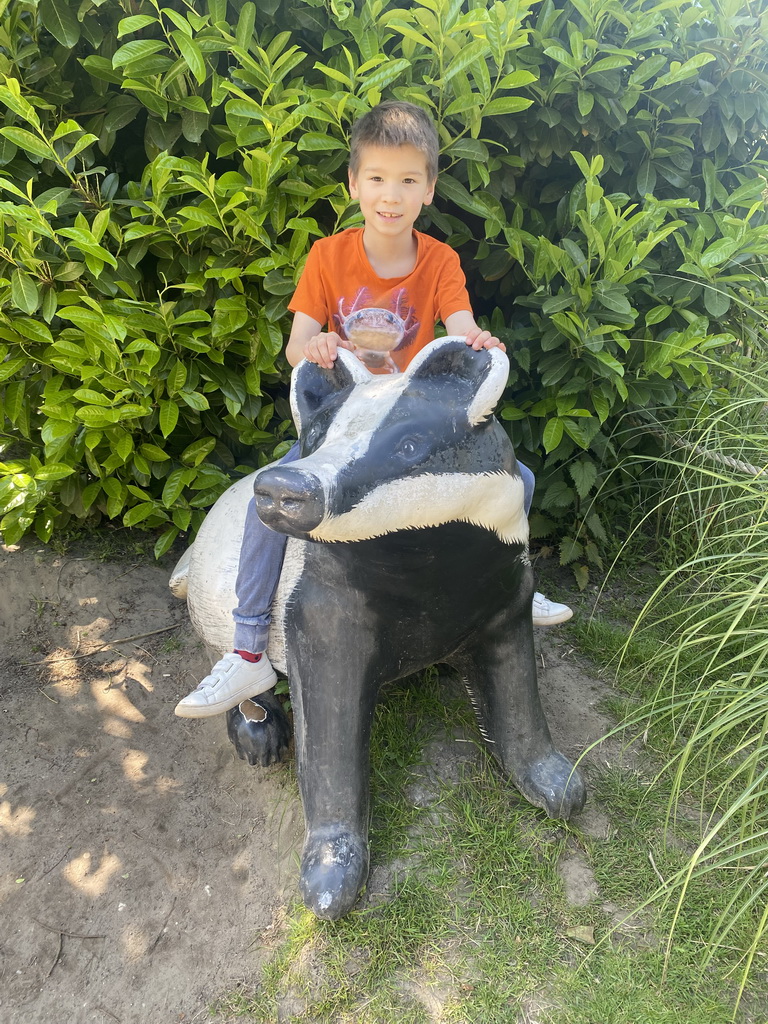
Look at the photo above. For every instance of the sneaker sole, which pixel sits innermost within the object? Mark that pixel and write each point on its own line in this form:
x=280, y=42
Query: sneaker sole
x=554, y=620
x=183, y=710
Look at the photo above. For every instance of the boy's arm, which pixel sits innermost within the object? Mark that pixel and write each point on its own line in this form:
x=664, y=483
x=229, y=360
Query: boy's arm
x=463, y=323
x=307, y=341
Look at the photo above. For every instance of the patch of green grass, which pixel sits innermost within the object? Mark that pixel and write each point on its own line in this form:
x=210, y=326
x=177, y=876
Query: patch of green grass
x=620, y=987
x=465, y=920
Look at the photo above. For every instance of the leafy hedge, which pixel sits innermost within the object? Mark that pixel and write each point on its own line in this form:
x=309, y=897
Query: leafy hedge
x=165, y=169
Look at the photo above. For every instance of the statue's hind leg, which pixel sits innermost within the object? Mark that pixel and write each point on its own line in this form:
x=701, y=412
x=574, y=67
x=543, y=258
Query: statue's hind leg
x=500, y=672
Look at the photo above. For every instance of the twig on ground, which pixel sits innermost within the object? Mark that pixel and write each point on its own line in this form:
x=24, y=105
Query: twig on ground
x=101, y=647
x=50, y=869
x=136, y=566
x=69, y=935
x=162, y=928
x=58, y=954
x=61, y=933
x=103, y=1009
x=46, y=695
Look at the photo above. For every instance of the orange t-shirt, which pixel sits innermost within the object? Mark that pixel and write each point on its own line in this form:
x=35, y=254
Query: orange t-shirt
x=338, y=281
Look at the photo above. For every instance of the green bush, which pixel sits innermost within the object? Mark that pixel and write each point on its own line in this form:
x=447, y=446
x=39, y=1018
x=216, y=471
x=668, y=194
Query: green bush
x=165, y=169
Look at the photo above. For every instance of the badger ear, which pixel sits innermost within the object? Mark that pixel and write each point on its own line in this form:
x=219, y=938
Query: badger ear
x=477, y=378
x=311, y=385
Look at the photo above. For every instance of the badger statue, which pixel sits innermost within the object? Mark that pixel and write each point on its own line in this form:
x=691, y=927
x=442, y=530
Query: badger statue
x=408, y=546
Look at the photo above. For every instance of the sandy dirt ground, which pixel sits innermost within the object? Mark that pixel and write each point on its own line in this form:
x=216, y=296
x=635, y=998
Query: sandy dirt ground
x=145, y=870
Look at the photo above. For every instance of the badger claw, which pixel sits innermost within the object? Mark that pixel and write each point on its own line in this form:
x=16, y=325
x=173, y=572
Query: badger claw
x=259, y=730
x=334, y=867
x=553, y=784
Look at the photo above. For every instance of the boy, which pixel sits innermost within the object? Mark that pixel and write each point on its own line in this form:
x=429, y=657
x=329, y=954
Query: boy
x=403, y=282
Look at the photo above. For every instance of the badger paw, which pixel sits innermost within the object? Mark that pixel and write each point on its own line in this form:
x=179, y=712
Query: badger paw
x=259, y=729
x=552, y=783
x=334, y=867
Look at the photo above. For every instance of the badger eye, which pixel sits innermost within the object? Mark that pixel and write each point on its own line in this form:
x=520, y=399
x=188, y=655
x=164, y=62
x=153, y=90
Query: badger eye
x=311, y=436
x=410, y=447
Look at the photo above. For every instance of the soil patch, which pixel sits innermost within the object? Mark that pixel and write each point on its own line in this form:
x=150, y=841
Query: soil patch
x=143, y=866
x=144, y=869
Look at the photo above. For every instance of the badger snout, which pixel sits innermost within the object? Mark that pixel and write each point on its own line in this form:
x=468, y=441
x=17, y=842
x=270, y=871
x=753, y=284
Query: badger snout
x=289, y=500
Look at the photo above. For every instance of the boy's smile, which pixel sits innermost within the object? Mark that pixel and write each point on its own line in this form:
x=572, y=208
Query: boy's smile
x=391, y=185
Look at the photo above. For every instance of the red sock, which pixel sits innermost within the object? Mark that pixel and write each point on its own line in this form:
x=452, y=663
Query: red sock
x=249, y=656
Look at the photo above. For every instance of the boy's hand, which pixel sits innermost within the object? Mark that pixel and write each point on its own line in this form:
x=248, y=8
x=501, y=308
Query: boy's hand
x=478, y=338
x=322, y=348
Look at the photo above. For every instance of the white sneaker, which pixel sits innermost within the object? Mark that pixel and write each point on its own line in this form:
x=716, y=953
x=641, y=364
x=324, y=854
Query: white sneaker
x=549, y=613
x=231, y=680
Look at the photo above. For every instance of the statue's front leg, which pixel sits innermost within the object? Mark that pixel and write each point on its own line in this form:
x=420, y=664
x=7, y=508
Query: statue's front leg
x=333, y=696
x=500, y=671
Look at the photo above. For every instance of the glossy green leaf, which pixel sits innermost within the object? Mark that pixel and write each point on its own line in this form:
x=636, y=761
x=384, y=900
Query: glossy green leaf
x=718, y=252
x=138, y=513
x=553, y=434
x=563, y=57
x=153, y=453
x=134, y=24
x=59, y=18
x=683, y=71
x=54, y=471
x=136, y=50
x=312, y=142
x=190, y=51
x=25, y=293
x=194, y=453
x=657, y=314
x=506, y=105
x=165, y=541
x=28, y=142
x=169, y=415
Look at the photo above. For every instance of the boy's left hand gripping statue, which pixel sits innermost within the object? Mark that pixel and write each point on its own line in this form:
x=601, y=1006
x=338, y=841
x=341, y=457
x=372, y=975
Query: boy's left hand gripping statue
x=408, y=547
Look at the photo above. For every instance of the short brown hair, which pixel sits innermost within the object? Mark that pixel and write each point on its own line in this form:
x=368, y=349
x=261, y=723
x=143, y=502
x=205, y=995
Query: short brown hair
x=395, y=123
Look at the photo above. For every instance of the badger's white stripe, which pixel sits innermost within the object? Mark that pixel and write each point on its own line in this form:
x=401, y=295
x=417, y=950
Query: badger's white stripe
x=293, y=568
x=352, y=430
x=491, y=500
x=363, y=411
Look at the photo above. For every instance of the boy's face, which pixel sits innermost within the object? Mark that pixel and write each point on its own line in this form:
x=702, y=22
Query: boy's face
x=392, y=185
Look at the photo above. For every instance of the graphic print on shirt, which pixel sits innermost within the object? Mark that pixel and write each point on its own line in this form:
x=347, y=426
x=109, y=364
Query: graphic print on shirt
x=376, y=331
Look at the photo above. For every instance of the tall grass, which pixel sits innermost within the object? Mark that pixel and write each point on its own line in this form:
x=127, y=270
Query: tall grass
x=710, y=668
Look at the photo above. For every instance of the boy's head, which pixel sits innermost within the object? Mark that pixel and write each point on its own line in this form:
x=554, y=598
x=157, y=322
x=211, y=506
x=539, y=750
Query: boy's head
x=394, y=124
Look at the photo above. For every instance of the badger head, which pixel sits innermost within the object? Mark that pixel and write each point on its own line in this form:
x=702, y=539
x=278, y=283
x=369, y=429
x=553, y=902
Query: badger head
x=387, y=453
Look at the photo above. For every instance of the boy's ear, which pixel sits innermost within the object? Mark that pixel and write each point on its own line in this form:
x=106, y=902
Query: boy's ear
x=352, y=183
x=430, y=193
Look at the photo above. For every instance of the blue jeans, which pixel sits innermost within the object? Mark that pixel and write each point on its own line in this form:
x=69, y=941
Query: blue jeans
x=261, y=559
